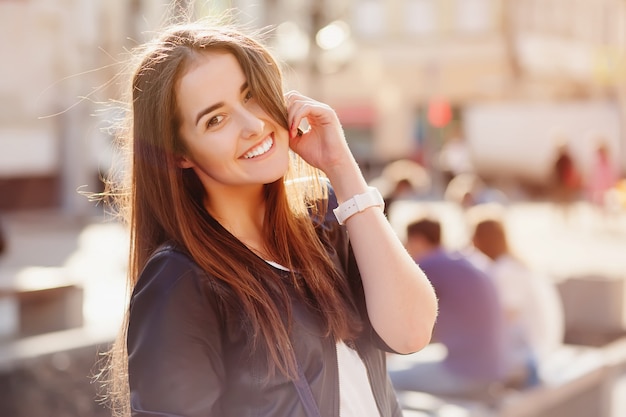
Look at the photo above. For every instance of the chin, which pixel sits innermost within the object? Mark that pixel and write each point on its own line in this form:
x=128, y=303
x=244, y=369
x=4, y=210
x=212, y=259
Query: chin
x=269, y=176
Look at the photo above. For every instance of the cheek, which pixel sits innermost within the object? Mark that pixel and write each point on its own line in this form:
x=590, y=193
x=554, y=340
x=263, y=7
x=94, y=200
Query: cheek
x=214, y=146
x=282, y=136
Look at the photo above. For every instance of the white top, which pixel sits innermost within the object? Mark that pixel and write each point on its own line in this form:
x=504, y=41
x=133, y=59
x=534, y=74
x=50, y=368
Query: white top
x=534, y=299
x=355, y=391
x=277, y=265
x=356, y=398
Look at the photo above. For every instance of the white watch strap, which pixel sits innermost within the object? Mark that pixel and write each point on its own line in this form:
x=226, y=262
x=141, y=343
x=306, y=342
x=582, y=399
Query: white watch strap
x=358, y=203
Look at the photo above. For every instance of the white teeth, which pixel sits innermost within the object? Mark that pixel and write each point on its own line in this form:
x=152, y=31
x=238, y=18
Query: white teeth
x=261, y=149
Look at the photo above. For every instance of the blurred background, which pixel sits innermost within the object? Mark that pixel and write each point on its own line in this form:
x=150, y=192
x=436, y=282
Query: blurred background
x=477, y=99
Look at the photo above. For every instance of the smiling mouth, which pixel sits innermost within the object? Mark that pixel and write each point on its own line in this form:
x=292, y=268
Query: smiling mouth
x=265, y=146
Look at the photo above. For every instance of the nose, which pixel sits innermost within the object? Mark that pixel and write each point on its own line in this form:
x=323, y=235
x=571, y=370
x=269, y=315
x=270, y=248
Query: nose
x=251, y=123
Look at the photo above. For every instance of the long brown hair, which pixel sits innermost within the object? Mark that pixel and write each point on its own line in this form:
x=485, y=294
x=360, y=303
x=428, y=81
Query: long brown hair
x=163, y=203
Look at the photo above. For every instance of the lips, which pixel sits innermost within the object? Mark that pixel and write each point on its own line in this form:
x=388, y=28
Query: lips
x=261, y=149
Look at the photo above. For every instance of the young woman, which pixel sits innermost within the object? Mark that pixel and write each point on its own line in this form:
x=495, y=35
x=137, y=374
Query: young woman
x=248, y=299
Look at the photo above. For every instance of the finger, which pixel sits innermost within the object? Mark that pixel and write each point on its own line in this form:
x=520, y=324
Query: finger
x=293, y=95
x=289, y=101
x=299, y=128
x=300, y=107
x=294, y=122
x=289, y=94
x=296, y=113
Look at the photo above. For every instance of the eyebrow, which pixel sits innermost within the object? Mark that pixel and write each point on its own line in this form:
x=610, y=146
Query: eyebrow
x=216, y=106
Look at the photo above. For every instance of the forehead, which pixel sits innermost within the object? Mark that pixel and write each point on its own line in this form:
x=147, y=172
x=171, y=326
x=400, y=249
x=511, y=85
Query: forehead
x=208, y=78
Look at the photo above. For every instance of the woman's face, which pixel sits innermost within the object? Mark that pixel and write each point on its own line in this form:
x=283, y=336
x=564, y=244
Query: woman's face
x=230, y=140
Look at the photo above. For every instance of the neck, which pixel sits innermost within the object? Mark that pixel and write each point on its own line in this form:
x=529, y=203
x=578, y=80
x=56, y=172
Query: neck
x=241, y=211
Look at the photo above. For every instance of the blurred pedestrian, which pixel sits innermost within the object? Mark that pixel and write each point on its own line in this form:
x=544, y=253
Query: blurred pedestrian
x=566, y=181
x=603, y=175
x=468, y=190
x=247, y=297
x=532, y=305
x=455, y=157
x=3, y=239
x=402, y=180
x=470, y=325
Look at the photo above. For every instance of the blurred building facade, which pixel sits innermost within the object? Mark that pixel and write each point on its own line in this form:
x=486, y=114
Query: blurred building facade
x=403, y=75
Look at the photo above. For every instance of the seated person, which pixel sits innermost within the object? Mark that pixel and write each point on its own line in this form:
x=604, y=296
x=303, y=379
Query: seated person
x=470, y=325
x=529, y=299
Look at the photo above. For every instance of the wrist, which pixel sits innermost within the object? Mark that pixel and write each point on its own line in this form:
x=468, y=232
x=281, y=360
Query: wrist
x=359, y=203
x=347, y=181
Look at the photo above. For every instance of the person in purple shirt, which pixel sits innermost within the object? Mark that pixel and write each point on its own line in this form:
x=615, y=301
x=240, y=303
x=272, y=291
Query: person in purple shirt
x=470, y=324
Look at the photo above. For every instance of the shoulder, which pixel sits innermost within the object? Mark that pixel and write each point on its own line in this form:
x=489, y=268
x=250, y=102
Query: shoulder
x=325, y=218
x=437, y=259
x=451, y=264
x=333, y=235
x=328, y=228
x=507, y=265
x=171, y=276
x=165, y=267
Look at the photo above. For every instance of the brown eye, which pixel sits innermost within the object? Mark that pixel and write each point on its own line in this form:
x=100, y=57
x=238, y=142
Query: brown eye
x=214, y=121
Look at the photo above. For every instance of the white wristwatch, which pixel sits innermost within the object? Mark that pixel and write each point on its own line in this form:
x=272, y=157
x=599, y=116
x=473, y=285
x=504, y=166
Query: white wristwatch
x=358, y=203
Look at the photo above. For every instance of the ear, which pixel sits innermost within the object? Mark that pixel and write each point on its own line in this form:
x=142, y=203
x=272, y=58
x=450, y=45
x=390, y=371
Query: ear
x=184, y=162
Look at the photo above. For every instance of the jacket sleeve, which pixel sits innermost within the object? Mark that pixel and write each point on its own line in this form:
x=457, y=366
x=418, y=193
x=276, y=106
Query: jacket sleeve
x=174, y=341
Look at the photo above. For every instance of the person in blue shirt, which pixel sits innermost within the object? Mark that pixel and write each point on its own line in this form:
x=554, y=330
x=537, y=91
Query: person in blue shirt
x=470, y=324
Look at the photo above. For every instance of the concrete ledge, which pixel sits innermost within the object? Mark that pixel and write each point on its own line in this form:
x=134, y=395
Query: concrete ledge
x=43, y=299
x=16, y=352
x=53, y=374
x=594, y=308
x=559, y=400
x=577, y=382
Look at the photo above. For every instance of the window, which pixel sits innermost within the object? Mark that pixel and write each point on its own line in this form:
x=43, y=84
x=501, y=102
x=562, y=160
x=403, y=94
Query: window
x=369, y=19
x=473, y=16
x=420, y=17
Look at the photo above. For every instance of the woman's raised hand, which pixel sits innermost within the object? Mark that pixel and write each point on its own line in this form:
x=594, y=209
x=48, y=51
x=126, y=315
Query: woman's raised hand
x=323, y=145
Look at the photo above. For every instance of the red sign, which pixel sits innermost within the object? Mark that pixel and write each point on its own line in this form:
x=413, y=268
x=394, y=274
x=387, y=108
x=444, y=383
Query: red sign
x=439, y=112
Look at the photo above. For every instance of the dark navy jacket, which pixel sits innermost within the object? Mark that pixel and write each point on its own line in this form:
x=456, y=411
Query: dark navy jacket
x=188, y=350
